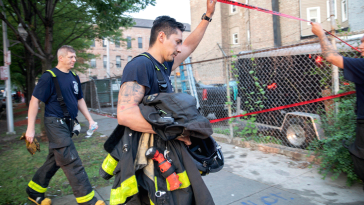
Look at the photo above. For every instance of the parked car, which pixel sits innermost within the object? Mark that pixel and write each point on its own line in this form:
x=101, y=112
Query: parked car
x=212, y=98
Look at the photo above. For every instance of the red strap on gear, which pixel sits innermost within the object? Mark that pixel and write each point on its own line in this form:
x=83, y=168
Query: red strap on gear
x=286, y=106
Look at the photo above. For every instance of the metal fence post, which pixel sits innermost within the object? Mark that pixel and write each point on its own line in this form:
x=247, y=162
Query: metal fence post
x=226, y=66
x=335, y=69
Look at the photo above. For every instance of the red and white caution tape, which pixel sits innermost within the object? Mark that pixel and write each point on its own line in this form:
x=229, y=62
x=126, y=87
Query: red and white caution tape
x=287, y=106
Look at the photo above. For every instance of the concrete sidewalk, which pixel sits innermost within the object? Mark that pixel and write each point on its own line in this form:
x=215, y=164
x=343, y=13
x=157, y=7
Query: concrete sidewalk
x=257, y=178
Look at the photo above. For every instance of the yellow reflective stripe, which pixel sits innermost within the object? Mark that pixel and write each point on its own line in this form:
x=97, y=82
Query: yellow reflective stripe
x=86, y=198
x=127, y=188
x=182, y=177
x=145, y=55
x=155, y=183
x=73, y=73
x=36, y=187
x=109, y=164
x=54, y=75
x=151, y=202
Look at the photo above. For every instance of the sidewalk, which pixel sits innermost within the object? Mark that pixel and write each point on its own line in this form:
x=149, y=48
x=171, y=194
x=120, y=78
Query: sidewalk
x=256, y=178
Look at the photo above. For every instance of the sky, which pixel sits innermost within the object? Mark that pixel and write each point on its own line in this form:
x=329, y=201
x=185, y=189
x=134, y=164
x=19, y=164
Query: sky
x=178, y=9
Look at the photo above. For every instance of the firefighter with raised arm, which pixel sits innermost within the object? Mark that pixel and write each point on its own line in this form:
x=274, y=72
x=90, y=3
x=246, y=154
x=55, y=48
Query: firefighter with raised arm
x=354, y=72
x=148, y=168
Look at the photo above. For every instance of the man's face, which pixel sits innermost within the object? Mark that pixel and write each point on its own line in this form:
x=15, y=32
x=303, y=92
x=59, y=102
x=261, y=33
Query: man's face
x=361, y=47
x=69, y=60
x=172, y=46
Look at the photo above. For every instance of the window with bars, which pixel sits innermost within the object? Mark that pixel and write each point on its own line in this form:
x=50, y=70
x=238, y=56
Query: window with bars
x=140, y=42
x=105, y=61
x=104, y=43
x=128, y=42
x=118, y=61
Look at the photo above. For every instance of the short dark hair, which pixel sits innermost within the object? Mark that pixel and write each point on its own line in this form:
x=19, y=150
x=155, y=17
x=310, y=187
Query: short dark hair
x=166, y=24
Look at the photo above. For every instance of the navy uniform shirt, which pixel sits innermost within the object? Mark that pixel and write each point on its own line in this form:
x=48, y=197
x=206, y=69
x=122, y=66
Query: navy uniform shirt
x=142, y=70
x=70, y=85
x=354, y=72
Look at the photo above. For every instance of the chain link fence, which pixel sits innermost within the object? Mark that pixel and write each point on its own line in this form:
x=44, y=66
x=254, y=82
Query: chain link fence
x=253, y=81
x=270, y=78
x=101, y=95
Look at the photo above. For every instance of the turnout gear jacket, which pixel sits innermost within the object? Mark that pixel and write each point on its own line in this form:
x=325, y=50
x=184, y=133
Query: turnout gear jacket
x=124, y=143
x=171, y=114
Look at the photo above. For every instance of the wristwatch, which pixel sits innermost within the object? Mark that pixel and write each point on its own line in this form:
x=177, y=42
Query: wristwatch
x=204, y=17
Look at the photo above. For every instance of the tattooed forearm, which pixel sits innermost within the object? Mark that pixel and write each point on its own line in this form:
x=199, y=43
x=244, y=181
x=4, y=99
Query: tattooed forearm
x=131, y=93
x=327, y=49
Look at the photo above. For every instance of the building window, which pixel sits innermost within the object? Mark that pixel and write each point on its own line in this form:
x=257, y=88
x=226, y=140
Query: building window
x=93, y=43
x=118, y=61
x=233, y=9
x=128, y=42
x=235, y=38
x=329, y=10
x=105, y=61
x=129, y=58
x=140, y=42
x=93, y=63
x=344, y=10
x=313, y=14
x=117, y=43
x=104, y=43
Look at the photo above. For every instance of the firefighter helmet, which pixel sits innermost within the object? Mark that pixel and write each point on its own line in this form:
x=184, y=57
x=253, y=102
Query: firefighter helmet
x=206, y=154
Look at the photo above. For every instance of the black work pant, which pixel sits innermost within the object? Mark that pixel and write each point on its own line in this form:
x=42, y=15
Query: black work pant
x=65, y=157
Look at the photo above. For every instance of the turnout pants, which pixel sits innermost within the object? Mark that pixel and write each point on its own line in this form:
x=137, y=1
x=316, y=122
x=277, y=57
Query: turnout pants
x=62, y=154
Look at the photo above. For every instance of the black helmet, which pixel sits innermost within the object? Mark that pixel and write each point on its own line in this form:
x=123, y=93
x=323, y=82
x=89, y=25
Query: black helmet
x=206, y=154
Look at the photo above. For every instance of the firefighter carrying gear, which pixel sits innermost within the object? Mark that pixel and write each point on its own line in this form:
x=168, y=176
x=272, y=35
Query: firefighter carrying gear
x=137, y=177
x=31, y=147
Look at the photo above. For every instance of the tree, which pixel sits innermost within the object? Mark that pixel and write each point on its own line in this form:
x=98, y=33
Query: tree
x=75, y=19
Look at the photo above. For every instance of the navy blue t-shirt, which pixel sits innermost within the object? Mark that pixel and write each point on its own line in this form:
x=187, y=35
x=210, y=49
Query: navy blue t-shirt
x=354, y=72
x=45, y=91
x=142, y=70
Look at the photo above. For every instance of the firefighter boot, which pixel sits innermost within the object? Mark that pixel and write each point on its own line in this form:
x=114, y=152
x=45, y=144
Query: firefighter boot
x=100, y=202
x=38, y=199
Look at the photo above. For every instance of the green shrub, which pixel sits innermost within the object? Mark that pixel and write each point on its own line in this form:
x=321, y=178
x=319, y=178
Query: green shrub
x=334, y=157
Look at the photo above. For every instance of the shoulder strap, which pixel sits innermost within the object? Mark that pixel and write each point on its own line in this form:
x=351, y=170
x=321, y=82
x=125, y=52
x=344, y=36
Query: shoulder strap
x=162, y=84
x=59, y=94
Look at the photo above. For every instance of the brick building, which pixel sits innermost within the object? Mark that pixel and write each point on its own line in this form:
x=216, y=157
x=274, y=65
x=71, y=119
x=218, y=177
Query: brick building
x=121, y=52
x=238, y=29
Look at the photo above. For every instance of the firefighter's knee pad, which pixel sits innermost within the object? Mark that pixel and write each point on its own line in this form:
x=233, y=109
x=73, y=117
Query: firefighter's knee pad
x=66, y=155
x=108, y=166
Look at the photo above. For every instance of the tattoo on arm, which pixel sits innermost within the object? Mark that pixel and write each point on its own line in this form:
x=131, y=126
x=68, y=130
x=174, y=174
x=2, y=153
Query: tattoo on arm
x=130, y=95
x=327, y=48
